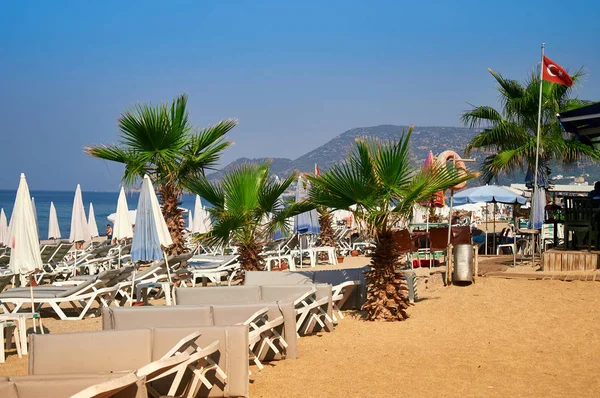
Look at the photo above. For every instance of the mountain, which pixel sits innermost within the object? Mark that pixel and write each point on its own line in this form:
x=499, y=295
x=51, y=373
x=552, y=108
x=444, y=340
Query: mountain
x=423, y=139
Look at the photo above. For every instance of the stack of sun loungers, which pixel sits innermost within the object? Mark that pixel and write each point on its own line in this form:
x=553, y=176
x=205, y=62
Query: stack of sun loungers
x=202, y=346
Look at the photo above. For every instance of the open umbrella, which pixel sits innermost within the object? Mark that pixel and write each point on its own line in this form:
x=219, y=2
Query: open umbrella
x=92, y=226
x=122, y=223
x=112, y=217
x=25, y=255
x=151, y=232
x=3, y=227
x=488, y=193
x=79, y=226
x=53, y=229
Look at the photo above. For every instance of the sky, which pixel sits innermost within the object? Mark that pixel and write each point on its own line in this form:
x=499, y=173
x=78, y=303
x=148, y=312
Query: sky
x=295, y=74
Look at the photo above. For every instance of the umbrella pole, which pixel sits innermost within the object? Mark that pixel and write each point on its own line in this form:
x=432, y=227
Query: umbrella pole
x=486, y=228
x=494, y=250
x=132, y=285
x=32, y=302
x=450, y=216
x=167, y=264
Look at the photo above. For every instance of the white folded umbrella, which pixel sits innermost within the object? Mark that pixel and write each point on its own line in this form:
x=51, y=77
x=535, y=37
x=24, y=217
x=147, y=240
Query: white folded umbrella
x=53, y=229
x=35, y=214
x=190, y=220
x=92, y=226
x=79, y=226
x=3, y=228
x=122, y=224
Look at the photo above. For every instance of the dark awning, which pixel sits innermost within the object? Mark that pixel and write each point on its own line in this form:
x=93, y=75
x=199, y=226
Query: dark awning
x=584, y=122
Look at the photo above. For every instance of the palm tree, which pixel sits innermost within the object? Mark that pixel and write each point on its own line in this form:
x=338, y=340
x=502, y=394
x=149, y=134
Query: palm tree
x=160, y=142
x=380, y=181
x=247, y=209
x=509, y=136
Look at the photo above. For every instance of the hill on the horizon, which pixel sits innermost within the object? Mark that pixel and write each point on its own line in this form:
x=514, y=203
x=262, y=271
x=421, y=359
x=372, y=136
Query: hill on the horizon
x=423, y=139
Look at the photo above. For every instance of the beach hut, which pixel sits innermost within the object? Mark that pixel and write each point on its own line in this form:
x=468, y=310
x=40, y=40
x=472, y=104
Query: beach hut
x=25, y=255
x=53, y=228
x=92, y=226
x=151, y=235
x=79, y=227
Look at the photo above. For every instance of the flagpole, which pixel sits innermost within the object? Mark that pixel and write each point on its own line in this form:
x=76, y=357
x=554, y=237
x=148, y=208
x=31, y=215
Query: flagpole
x=537, y=153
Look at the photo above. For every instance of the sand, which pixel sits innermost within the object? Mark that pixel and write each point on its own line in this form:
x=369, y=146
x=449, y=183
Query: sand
x=495, y=338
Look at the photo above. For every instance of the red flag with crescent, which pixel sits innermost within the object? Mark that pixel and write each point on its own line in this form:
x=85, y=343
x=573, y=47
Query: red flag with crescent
x=317, y=171
x=555, y=73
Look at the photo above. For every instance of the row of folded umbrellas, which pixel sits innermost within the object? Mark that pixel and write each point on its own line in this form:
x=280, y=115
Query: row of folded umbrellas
x=84, y=229
x=149, y=238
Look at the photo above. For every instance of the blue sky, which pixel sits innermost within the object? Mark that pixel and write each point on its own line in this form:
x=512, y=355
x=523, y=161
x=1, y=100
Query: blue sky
x=296, y=74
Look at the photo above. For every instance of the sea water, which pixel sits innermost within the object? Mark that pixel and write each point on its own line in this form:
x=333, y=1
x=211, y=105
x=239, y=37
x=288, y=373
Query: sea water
x=105, y=203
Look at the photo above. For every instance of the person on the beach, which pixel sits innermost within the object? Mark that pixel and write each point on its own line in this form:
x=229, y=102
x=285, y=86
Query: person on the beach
x=595, y=193
x=109, y=232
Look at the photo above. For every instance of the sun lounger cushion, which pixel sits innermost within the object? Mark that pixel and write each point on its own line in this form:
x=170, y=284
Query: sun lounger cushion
x=89, y=352
x=183, y=316
x=226, y=314
x=232, y=356
x=61, y=386
x=337, y=276
x=263, y=278
x=45, y=291
x=126, y=318
x=220, y=295
x=126, y=350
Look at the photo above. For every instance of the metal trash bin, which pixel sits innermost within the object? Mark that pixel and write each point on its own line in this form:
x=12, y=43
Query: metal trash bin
x=463, y=263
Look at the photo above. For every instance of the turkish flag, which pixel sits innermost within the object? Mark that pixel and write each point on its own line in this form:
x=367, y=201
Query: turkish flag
x=317, y=171
x=555, y=73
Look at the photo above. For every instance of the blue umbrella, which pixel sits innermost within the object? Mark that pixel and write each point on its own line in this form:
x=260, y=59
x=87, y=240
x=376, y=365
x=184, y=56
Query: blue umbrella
x=151, y=232
x=307, y=222
x=539, y=197
x=488, y=193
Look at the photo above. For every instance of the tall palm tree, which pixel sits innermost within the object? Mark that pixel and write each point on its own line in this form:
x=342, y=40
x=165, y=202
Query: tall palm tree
x=247, y=209
x=159, y=141
x=509, y=136
x=379, y=179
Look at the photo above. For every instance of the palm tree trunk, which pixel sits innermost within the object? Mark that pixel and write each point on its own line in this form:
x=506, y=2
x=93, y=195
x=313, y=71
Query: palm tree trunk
x=170, y=197
x=387, y=290
x=326, y=237
x=250, y=258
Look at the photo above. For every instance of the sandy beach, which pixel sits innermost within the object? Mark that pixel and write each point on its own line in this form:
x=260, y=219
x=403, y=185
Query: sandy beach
x=497, y=337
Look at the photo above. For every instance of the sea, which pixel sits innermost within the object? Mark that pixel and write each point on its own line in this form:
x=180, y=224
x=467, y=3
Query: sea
x=105, y=203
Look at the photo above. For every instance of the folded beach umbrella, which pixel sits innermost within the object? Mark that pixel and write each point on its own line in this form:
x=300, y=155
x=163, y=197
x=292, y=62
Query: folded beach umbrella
x=190, y=221
x=122, y=224
x=25, y=255
x=53, y=229
x=92, y=226
x=79, y=226
x=307, y=222
x=3, y=228
x=151, y=235
x=202, y=223
x=35, y=214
